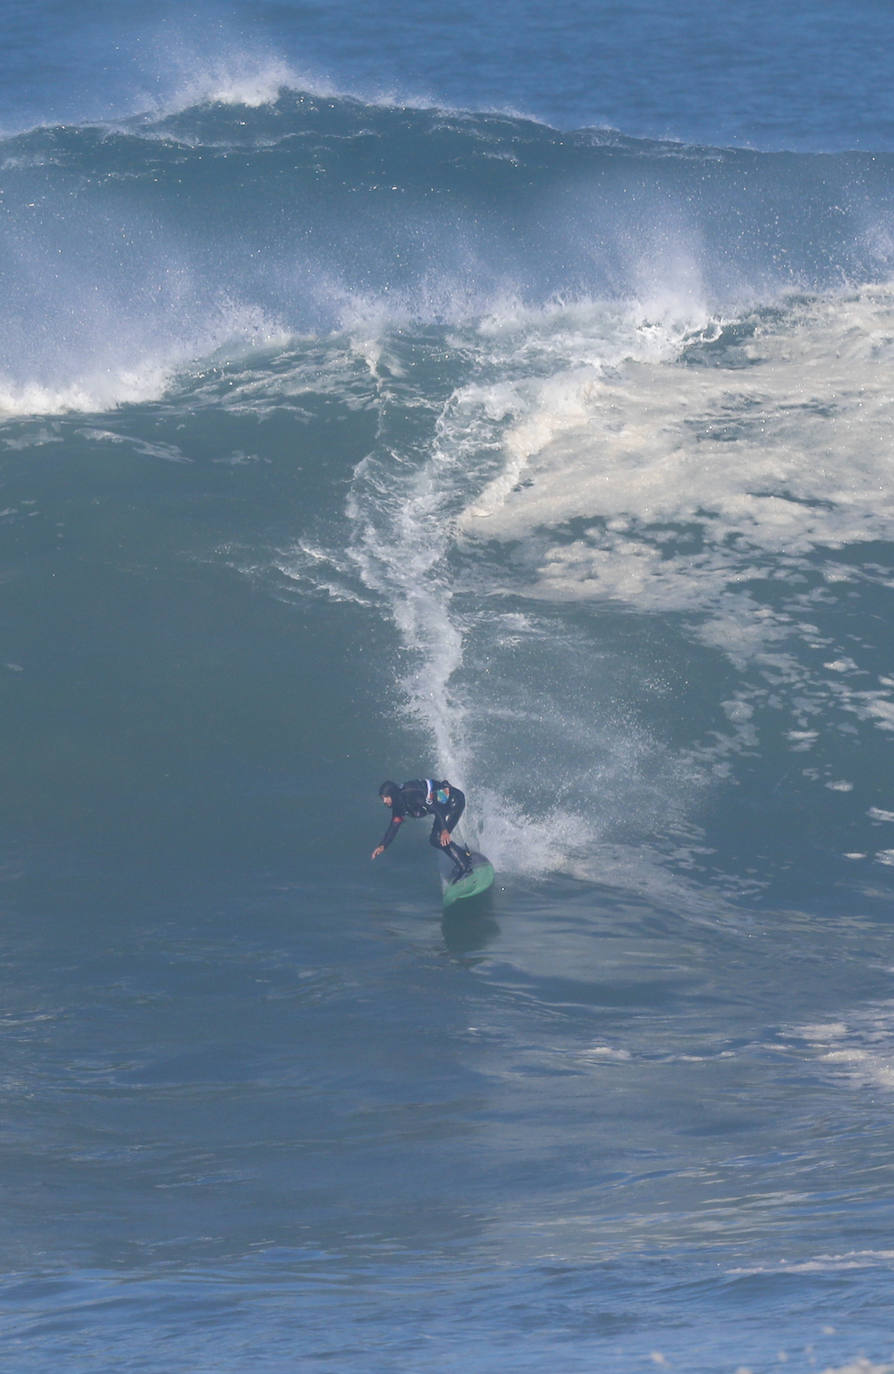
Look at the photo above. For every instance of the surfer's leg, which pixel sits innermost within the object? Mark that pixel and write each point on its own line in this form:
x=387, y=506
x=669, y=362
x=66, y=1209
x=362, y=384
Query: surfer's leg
x=460, y=858
x=456, y=852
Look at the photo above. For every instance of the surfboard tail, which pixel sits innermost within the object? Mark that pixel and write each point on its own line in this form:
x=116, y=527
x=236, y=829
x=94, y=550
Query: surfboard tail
x=472, y=884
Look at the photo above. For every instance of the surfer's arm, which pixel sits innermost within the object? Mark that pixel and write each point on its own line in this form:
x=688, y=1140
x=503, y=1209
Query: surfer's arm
x=456, y=805
x=393, y=827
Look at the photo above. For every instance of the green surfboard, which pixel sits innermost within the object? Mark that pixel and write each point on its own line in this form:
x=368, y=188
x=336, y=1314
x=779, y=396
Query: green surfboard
x=474, y=883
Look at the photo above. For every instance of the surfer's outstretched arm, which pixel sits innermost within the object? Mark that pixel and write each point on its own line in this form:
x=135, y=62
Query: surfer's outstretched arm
x=391, y=794
x=393, y=827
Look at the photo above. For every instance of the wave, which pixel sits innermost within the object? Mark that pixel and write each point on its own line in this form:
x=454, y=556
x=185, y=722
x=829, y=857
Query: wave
x=555, y=495
x=624, y=403
x=260, y=211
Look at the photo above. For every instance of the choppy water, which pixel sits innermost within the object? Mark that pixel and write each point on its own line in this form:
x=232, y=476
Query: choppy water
x=346, y=436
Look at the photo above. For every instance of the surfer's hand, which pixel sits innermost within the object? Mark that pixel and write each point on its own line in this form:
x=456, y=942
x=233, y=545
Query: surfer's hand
x=378, y=850
x=445, y=838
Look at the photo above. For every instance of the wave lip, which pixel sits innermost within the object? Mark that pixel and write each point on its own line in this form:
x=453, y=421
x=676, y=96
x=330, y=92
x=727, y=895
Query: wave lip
x=87, y=395
x=124, y=248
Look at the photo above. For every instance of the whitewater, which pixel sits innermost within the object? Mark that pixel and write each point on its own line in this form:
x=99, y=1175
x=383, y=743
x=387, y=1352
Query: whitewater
x=393, y=394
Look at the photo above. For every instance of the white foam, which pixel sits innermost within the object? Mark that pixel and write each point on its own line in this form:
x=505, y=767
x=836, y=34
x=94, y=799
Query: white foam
x=861, y=1365
x=91, y=393
x=168, y=453
x=842, y=665
x=778, y=458
x=555, y=841
x=606, y=1052
x=859, y=1051
x=606, y=425
x=155, y=350
x=588, y=412
x=825, y=1264
x=400, y=533
x=195, y=66
x=831, y=1030
x=250, y=80
x=881, y=708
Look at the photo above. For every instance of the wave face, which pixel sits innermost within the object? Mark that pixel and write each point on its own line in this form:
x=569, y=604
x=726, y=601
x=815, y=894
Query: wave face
x=129, y=252
x=615, y=384
x=343, y=440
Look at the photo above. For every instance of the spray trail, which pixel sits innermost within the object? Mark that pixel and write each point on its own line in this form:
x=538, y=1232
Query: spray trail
x=498, y=691
x=401, y=509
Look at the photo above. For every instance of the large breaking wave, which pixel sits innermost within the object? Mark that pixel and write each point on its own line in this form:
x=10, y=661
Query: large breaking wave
x=131, y=251
x=630, y=408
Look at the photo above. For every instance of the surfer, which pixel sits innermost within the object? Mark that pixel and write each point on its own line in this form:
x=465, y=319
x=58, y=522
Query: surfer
x=427, y=797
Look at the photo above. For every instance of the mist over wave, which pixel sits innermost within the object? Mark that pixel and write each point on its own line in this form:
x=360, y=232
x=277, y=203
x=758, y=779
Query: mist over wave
x=135, y=250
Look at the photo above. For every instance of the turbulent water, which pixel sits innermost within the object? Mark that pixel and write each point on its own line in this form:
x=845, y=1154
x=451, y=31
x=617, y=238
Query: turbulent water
x=347, y=436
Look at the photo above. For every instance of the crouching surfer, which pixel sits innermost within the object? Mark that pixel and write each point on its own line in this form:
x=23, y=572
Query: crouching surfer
x=427, y=797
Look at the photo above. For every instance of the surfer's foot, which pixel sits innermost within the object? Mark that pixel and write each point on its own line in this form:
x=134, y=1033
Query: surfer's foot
x=461, y=873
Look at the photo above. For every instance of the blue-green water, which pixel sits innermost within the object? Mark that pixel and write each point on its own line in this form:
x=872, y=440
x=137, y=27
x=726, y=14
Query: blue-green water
x=345, y=435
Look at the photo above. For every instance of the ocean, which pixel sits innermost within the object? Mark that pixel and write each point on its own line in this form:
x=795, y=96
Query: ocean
x=391, y=392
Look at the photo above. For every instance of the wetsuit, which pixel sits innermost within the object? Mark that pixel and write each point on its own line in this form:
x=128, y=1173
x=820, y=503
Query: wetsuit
x=430, y=797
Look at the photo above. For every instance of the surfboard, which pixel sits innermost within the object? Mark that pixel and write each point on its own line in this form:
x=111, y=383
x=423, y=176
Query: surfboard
x=474, y=883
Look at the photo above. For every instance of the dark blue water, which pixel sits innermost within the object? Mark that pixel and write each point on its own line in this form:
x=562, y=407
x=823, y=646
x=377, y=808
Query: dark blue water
x=496, y=396
x=814, y=78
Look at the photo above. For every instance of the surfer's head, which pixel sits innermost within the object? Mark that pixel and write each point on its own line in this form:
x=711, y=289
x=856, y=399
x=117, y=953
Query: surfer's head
x=388, y=791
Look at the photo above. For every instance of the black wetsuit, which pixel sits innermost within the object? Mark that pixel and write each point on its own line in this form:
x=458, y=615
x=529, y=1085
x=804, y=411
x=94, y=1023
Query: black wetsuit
x=419, y=798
